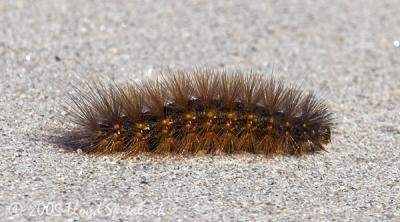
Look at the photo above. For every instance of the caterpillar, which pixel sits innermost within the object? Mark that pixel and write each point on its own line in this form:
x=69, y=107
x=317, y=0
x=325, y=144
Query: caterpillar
x=200, y=111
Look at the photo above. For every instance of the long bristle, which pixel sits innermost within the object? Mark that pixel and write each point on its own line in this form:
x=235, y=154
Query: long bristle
x=200, y=111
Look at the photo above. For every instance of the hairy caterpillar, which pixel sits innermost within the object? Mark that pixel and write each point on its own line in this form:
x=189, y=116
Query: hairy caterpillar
x=200, y=111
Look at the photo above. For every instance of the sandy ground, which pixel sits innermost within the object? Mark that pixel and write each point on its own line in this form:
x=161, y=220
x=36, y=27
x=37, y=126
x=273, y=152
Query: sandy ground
x=343, y=50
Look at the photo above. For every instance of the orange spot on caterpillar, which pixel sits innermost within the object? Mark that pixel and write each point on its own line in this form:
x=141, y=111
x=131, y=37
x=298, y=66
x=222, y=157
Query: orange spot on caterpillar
x=140, y=126
x=251, y=117
x=166, y=122
x=210, y=115
x=116, y=126
x=249, y=125
x=115, y=136
x=208, y=123
x=99, y=133
x=189, y=116
x=230, y=116
x=165, y=131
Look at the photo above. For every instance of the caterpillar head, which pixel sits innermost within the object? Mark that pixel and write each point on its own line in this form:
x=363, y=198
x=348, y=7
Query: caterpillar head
x=325, y=135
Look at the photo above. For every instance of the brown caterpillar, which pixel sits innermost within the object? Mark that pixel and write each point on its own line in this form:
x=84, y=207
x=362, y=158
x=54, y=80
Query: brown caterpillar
x=200, y=111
